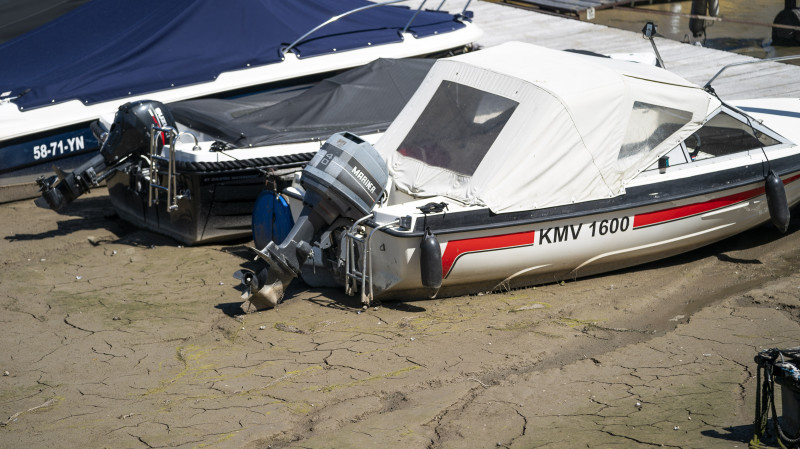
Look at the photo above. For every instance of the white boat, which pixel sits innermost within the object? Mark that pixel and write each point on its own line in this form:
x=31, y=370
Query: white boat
x=518, y=165
x=56, y=81
x=219, y=155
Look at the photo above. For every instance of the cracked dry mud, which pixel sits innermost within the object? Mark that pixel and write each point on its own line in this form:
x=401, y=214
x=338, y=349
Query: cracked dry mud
x=115, y=337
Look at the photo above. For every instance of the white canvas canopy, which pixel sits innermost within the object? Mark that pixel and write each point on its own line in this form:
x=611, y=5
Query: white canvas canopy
x=518, y=127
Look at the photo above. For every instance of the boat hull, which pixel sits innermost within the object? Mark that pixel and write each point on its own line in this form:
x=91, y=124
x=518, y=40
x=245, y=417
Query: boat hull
x=547, y=251
x=24, y=159
x=219, y=208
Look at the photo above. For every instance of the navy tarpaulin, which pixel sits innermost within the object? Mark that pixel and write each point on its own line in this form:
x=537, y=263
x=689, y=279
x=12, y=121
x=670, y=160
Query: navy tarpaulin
x=109, y=49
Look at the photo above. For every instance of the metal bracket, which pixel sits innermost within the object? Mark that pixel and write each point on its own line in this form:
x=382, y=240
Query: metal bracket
x=356, y=234
x=166, y=133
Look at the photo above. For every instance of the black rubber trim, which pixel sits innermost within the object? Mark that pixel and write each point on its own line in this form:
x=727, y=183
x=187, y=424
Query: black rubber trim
x=284, y=161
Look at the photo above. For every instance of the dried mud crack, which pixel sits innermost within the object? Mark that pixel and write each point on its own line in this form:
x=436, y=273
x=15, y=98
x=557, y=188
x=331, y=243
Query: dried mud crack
x=134, y=352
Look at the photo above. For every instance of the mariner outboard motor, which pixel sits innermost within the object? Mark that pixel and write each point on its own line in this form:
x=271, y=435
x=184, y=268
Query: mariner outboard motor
x=129, y=134
x=345, y=179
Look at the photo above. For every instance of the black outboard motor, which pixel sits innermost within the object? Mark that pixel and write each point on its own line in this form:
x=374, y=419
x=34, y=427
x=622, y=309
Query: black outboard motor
x=129, y=134
x=345, y=179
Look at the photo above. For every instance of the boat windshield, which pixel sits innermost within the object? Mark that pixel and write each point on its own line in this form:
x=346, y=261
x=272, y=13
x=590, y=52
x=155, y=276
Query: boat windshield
x=457, y=127
x=723, y=135
x=649, y=125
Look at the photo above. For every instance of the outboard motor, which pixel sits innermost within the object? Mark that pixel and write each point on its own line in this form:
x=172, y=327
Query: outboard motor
x=129, y=134
x=345, y=179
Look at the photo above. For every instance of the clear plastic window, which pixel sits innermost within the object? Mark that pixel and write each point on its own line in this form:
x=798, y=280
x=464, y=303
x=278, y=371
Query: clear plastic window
x=457, y=127
x=723, y=135
x=649, y=126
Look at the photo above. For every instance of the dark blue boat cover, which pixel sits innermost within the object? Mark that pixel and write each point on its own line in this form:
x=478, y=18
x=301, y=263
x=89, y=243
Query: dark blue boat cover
x=108, y=49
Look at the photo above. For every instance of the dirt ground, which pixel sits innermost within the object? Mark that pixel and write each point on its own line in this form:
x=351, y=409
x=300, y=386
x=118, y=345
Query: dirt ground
x=114, y=337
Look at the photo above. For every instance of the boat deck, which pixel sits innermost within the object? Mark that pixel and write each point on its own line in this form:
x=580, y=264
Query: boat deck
x=502, y=23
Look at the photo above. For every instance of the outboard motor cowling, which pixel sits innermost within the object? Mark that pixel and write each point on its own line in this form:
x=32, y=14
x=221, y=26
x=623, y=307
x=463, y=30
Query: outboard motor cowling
x=345, y=179
x=129, y=134
x=347, y=173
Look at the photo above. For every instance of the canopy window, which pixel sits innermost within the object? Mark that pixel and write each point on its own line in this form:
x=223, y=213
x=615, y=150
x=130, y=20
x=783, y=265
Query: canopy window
x=457, y=128
x=649, y=125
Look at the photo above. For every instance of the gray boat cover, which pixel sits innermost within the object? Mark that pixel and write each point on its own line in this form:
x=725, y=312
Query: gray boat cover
x=362, y=100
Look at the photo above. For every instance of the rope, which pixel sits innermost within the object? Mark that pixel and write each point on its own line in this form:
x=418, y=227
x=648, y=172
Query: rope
x=285, y=161
x=762, y=411
x=778, y=429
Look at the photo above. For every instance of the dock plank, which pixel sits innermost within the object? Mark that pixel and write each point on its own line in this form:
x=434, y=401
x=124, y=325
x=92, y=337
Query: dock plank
x=503, y=23
x=576, y=6
x=563, y=5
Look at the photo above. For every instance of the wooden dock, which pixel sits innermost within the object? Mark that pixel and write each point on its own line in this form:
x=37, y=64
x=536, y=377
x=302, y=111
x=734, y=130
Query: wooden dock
x=578, y=8
x=503, y=23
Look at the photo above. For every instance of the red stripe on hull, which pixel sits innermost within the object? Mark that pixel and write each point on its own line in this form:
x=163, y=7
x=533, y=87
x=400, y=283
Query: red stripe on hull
x=676, y=213
x=457, y=248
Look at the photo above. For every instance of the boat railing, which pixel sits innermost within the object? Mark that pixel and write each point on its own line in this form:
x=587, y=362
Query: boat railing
x=333, y=19
x=735, y=64
x=353, y=276
x=170, y=137
x=357, y=235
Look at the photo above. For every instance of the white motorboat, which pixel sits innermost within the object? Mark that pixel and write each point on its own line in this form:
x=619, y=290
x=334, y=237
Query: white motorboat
x=56, y=81
x=200, y=184
x=518, y=165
